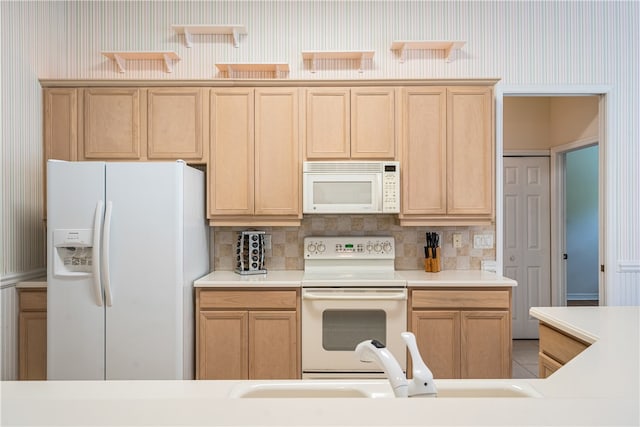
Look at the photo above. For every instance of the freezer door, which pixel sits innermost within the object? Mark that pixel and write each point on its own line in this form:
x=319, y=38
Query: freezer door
x=144, y=322
x=75, y=313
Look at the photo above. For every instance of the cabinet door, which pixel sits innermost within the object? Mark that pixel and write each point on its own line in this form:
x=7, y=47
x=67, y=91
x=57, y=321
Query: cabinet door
x=424, y=154
x=33, y=345
x=438, y=337
x=470, y=151
x=486, y=344
x=273, y=344
x=277, y=165
x=327, y=123
x=231, y=163
x=111, y=124
x=222, y=345
x=60, y=124
x=60, y=129
x=373, y=124
x=175, y=123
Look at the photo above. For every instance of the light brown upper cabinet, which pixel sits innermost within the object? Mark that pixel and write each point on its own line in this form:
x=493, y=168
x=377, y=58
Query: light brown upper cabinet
x=60, y=129
x=254, y=167
x=126, y=124
x=448, y=155
x=176, y=123
x=60, y=126
x=111, y=124
x=350, y=123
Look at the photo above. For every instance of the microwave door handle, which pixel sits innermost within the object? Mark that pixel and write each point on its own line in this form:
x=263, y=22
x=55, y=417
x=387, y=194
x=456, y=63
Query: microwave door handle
x=334, y=296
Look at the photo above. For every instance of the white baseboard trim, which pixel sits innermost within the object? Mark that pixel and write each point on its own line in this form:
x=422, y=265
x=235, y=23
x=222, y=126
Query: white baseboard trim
x=582, y=296
x=13, y=278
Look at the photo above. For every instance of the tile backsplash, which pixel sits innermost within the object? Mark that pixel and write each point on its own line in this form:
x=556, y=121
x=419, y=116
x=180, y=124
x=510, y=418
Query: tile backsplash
x=286, y=251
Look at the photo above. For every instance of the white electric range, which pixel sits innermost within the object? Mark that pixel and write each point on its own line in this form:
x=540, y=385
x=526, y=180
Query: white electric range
x=350, y=293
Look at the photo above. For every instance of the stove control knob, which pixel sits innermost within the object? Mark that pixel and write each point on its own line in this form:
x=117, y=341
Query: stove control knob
x=311, y=248
x=386, y=246
x=369, y=247
x=377, y=247
x=321, y=247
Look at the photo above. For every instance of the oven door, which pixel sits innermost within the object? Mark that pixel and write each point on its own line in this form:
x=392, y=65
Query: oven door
x=335, y=320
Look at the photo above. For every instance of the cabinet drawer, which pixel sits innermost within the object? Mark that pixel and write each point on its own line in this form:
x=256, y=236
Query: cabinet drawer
x=248, y=299
x=461, y=299
x=546, y=365
x=559, y=346
x=33, y=300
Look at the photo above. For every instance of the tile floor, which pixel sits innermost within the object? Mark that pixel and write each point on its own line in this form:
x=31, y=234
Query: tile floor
x=525, y=359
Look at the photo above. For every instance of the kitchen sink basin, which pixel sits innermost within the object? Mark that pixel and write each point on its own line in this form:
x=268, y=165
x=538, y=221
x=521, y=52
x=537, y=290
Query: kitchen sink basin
x=378, y=389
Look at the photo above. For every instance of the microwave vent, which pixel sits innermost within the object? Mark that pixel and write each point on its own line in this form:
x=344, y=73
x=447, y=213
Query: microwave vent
x=343, y=167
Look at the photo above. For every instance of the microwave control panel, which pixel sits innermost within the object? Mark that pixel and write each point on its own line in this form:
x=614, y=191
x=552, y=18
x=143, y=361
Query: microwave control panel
x=391, y=187
x=349, y=246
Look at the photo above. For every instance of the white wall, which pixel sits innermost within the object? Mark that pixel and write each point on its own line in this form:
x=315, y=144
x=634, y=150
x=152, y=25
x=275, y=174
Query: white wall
x=523, y=43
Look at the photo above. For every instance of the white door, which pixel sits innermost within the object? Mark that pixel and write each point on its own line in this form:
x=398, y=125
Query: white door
x=75, y=309
x=527, y=247
x=144, y=330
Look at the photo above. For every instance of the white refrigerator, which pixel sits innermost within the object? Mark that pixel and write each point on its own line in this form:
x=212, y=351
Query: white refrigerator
x=125, y=241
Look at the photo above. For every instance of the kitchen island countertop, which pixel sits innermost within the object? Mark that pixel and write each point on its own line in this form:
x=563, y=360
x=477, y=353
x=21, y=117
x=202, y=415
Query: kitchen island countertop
x=600, y=386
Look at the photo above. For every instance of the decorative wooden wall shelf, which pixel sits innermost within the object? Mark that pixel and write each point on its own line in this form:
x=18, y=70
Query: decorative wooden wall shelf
x=359, y=55
x=276, y=68
x=447, y=46
x=121, y=58
x=190, y=30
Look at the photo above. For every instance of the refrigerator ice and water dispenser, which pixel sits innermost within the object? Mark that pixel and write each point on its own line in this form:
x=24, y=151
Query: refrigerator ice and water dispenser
x=73, y=254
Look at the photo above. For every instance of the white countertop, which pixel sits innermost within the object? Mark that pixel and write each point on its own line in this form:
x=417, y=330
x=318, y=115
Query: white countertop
x=598, y=387
x=293, y=278
x=35, y=284
x=455, y=278
x=272, y=278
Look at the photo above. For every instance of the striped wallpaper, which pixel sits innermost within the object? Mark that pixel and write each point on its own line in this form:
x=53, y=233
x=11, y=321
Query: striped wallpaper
x=523, y=43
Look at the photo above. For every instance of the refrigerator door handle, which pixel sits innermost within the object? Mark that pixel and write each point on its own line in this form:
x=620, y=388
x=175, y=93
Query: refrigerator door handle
x=105, y=257
x=97, y=228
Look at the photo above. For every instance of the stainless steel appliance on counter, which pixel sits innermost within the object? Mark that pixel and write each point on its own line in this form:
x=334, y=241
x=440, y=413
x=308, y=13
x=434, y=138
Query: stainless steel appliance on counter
x=350, y=293
x=125, y=241
x=250, y=253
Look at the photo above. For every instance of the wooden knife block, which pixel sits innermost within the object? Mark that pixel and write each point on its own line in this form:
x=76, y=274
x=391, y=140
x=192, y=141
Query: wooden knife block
x=432, y=265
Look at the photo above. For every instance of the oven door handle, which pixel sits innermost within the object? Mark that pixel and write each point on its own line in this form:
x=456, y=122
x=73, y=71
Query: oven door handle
x=335, y=296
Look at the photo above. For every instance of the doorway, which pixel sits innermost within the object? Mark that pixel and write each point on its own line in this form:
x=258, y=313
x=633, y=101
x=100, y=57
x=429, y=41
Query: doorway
x=576, y=217
x=559, y=123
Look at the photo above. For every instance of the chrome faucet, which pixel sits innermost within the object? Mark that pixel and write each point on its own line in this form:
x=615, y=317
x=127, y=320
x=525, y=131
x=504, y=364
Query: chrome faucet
x=421, y=385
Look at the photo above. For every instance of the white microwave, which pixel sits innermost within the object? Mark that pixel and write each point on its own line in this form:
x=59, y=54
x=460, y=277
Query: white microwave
x=351, y=187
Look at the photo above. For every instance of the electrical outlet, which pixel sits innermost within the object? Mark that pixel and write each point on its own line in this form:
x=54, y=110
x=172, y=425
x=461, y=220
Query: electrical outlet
x=267, y=241
x=483, y=241
x=457, y=240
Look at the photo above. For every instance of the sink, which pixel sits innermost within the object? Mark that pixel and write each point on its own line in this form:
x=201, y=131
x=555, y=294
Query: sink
x=378, y=389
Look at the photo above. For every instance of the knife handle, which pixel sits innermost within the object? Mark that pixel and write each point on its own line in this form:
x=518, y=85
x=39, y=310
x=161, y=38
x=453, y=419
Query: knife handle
x=435, y=261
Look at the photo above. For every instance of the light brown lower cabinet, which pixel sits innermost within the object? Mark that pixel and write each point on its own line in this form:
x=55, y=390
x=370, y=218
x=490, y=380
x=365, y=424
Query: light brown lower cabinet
x=463, y=333
x=247, y=334
x=556, y=349
x=32, y=338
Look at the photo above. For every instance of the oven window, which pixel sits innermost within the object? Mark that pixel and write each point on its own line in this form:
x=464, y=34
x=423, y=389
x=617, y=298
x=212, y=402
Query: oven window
x=343, y=330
